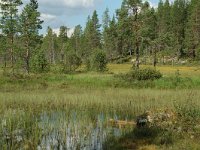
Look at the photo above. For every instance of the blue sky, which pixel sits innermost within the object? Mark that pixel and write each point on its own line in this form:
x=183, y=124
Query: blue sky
x=70, y=13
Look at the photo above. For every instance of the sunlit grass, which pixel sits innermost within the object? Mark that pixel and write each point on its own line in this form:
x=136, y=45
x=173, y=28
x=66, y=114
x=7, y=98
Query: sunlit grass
x=166, y=70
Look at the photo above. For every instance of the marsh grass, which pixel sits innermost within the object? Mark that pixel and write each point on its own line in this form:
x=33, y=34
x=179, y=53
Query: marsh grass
x=46, y=109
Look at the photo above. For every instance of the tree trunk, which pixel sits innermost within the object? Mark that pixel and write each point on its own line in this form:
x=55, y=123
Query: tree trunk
x=27, y=61
x=53, y=51
x=163, y=60
x=155, y=59
x=12, y=53
x=137, y=62
x=5, y=60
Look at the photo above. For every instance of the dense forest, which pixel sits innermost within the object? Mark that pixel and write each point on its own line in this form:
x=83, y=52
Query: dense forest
x=136, y=31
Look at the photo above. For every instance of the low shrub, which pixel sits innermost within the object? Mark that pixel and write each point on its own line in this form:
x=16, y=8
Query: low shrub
x=143, y=74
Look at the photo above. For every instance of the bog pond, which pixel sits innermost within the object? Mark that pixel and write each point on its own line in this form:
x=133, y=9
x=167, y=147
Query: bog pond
x=58, y=131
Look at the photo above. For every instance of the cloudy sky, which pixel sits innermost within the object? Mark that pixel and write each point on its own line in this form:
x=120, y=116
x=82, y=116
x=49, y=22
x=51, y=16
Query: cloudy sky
x=73, y=12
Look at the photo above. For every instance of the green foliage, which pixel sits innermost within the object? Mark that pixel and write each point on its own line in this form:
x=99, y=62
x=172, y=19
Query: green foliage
x=76, y=41
x=50, y=46
x=40, y=63
x=143, y=74
x=99, y=61
x=72, y=62
x=29, y=25
x=136, y=29
x=91, y=35
x=9, y=26
x=192, y=37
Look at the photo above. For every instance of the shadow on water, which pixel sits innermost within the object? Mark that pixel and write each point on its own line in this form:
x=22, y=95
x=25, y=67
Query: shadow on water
x=140, y=138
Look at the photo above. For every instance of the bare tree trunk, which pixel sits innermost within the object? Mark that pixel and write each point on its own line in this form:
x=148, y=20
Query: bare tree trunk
x=137, y=62
x=12, y=53
x=27, y=61
x=5, y=60
x=53, y=51
x=163, y=60
x=62, y=53
x=155, y=58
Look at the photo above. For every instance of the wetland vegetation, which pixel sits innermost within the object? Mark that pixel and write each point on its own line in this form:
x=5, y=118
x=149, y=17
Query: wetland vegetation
x=56, y=111
x=127, y=82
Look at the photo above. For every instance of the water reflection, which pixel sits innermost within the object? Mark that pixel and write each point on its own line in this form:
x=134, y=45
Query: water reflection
x=62, y=132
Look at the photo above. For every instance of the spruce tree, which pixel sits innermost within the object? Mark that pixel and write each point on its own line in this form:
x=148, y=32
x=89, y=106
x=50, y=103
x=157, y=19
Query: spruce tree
x=96, y=34
x=106, y=21
x=92, y=35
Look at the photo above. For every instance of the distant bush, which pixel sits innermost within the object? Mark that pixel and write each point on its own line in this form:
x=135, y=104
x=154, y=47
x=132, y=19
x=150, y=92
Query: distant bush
x=72, y=62
x=98, y=61
x=40, y=63
x=143, y=74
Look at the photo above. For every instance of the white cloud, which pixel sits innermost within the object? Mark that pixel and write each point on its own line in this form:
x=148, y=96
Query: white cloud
x=47, y=17
x=56, y=31
x=82, y=3
x=69, y=3
x=69, y=33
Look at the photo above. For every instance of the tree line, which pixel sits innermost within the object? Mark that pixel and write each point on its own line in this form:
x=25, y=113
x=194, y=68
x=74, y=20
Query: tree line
x=135, y=30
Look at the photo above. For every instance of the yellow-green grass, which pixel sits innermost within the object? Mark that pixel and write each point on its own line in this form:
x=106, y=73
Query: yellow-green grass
x=189, y=77
x=124, y=101
x=166, y=70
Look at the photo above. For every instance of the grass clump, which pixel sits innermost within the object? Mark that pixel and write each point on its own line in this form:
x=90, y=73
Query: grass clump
x=143, y=75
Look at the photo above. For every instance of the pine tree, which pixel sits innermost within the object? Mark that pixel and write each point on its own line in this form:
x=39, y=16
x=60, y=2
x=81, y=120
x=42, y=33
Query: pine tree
x=124, y=30
x=192, y=39
x=50, y=45
x=112, y=40
x=8, y=25
x=76, y=40
x=149, y=26
x=63, y=40
x=29, y=25
x=179, y=18
x=106, y=19
x=134, y=7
